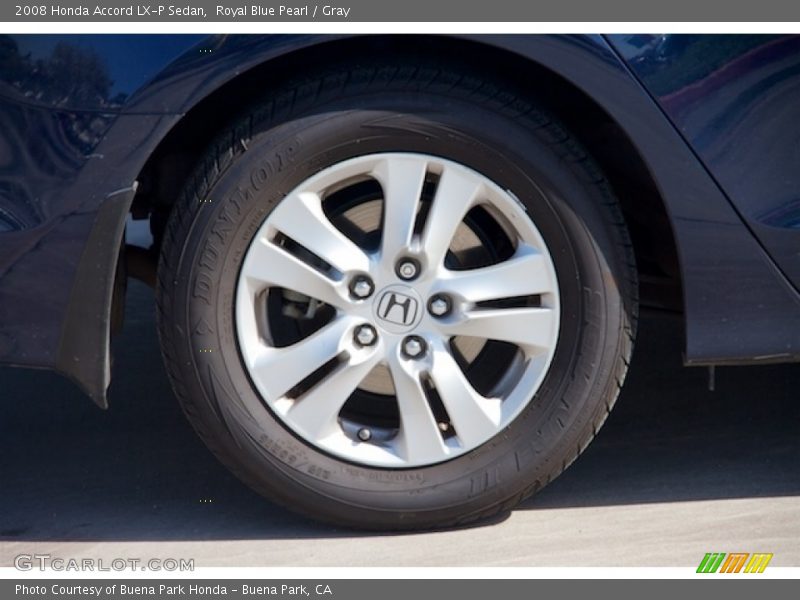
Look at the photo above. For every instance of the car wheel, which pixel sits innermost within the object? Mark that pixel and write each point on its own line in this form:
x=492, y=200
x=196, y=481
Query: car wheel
x=396, y=298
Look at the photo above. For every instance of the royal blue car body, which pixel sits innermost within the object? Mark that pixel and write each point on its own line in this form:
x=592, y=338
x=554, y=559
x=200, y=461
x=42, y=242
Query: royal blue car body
x=714, y=122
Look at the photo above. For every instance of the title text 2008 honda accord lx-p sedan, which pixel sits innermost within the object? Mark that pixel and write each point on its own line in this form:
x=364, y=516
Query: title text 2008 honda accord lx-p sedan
x=398, y=277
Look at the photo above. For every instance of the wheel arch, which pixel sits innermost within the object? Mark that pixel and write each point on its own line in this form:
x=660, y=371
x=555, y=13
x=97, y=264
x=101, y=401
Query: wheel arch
x=558, y=70
x=644, y=209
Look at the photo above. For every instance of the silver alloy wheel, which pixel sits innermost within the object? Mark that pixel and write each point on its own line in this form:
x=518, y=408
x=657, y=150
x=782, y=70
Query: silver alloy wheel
x=304, y=259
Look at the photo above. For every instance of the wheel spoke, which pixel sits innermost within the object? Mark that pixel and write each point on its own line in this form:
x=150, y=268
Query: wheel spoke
x=273, y=265
x=300, y=217
x=402, y=180
x=316, y=412
x=455, y=195
x=419, y=438
x=526, y=273
x=531, y=329
x=278, y=370
x=474, y=417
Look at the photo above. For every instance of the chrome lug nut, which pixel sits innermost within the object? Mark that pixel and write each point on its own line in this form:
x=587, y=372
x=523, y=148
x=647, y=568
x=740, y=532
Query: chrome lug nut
x=362, y=287
x=408, y=269
x=413, y=347
x=364, y=434
x=365, y=335
x=440, y=305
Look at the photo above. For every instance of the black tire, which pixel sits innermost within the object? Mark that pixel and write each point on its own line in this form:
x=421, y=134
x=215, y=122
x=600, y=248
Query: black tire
x=350, y=111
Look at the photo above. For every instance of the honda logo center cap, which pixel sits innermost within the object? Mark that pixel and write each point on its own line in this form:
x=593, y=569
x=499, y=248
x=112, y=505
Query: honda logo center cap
x=397, y=308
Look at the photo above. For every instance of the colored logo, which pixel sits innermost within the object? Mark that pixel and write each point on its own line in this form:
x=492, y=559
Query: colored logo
x=735, y=562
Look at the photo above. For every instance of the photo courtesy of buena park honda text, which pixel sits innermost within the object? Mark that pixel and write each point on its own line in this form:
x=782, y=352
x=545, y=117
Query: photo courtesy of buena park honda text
x=399, y=299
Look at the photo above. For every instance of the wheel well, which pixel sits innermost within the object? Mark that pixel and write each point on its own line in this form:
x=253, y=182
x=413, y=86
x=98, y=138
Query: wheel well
x=169, y=166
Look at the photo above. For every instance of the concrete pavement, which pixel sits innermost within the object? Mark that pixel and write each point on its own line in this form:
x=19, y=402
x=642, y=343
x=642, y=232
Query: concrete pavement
x=677, y=471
